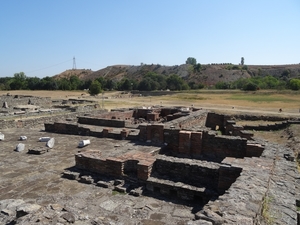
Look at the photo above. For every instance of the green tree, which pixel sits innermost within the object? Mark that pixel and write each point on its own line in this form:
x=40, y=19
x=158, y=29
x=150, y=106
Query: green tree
x=33, y=83
x=95, y=88
x=110, y=84
x=175, y=82
x=75, y=82
x=197, y=67
x=64, y=84
x=250, y=86
x=294, y=84
x=49, y=83
x=222, y=85
x=145, y=84
x=19, y=81
x=191, y=61
x=242, y=61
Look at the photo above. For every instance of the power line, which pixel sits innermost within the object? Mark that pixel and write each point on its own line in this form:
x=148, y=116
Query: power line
x=49, y=66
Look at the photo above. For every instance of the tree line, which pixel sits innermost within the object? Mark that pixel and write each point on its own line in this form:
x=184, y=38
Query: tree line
x=150, y=82
x=257, y=83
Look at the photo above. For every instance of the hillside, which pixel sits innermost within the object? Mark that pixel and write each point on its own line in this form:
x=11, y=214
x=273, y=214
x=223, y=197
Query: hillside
x=208, y=75
x=80, y=73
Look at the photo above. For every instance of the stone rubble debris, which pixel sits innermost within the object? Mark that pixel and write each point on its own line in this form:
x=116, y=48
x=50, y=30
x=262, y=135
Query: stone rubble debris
x=20, y=147
x=50, y=143
x=44, y=139
x=1, y=136
x=37, y=150
x=23, y=138
x=84, y=143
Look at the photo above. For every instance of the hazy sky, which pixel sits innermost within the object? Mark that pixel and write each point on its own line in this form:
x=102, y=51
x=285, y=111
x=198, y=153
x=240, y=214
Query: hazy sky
x=41, y=37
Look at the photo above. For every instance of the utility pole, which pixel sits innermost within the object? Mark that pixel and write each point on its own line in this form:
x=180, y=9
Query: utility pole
x=74, y=63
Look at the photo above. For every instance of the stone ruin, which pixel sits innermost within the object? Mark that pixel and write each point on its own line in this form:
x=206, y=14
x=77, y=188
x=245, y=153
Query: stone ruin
x=191, y=154
x=180, y=153
x=27, y=105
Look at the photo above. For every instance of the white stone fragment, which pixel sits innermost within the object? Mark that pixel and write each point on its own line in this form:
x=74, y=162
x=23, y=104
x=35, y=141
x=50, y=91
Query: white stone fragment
x=50, y=143
x=84, y=143
x=20, y=147
x=44, y=139
x=1, y=136
x=23, y=138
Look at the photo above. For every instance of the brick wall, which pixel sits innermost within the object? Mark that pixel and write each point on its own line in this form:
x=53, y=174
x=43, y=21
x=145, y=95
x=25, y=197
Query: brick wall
x=219, y=146
x=193, y=172
x=136, y=165
x=101, y=122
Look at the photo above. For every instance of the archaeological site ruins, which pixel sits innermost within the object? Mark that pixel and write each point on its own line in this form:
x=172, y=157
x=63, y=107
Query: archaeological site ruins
x=143, y=165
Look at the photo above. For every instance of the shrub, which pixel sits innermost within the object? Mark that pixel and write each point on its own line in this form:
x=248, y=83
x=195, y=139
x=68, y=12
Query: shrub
x=250, y=86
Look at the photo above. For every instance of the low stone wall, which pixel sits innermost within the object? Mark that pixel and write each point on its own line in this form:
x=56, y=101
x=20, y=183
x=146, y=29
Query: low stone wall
x=101, y=122
x=260, y=117
x=267, y=184
x=117, y=115
x=192, y=172
x=268, y=127
x=36, y=122
x=215, y=120
x=191, y=179
x=189, y=120
x=139, y=164
x=13, y=100
x=219, y=146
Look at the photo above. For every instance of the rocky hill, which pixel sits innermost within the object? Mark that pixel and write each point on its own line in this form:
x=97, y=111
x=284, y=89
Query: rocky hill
x=208, y=74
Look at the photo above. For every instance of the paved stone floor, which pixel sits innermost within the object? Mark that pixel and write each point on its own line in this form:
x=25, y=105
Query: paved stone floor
x=37, y=179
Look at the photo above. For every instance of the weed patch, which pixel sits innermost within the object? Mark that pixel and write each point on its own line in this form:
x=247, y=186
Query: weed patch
x=266, y=210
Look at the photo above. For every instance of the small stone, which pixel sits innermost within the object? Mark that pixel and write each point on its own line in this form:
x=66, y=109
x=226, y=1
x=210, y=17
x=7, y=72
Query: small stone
x=27, y=208
x=7, y=212
x=68, y=217
x=50, y=143
x=20, y=147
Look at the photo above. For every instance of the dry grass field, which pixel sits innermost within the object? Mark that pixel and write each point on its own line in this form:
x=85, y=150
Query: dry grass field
x=231, y=101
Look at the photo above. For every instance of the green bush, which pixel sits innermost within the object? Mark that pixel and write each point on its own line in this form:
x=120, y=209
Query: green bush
x=250, y=86
x=95, y=88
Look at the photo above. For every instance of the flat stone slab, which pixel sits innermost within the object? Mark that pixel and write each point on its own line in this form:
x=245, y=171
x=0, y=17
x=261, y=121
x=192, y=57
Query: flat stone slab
x=109, y=205
x=38, y=150
x=71, y=175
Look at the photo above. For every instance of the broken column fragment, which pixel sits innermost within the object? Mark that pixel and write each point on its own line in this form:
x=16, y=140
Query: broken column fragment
x=50, y=143
x=84, y=143
x=20, y=147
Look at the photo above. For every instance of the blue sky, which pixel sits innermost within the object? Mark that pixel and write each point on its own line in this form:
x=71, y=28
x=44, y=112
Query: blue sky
x=41, y=37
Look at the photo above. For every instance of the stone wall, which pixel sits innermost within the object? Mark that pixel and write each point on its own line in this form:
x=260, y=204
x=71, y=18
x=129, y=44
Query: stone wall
x=219, y=146
x=101, y=122
x=191, y=179
x=117, y=115
x=189, y=120
x=137, y=164
x=192, y=172
x=215, y=120
x=268, y=127
x=36, y=122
